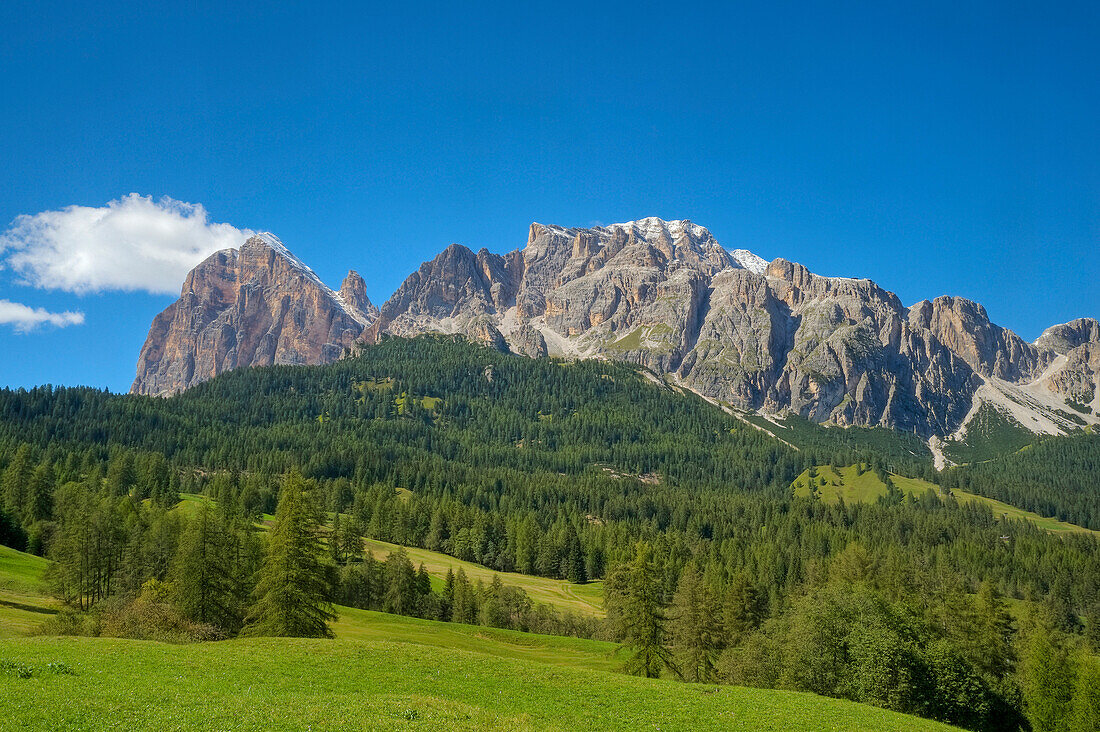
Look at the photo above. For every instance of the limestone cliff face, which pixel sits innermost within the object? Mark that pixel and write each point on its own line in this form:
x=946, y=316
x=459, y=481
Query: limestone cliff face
x=663, y=294
x=963, y=327
x=1075, y=372
x=255, y=306
x=760, y=336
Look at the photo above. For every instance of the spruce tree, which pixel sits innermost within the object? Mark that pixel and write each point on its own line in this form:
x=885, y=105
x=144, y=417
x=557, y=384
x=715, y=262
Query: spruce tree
x=292, y=596
x=573, y=566
x=1047, y=677
x=208, y=569
x=16, y=477
x=743, y=610
x=1085, y=711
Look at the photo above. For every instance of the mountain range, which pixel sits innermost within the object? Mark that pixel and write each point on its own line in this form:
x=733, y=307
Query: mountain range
x=769, y=337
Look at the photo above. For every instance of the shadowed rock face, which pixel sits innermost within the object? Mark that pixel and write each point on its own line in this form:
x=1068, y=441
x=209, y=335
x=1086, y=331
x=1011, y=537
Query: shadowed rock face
x=255, y=306
x=663, y=294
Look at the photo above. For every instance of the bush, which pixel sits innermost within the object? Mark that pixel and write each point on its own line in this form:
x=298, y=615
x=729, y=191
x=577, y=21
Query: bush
x=146, y=617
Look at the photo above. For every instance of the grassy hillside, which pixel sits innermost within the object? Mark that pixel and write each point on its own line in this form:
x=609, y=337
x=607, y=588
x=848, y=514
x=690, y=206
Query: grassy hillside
x=383, y=672
x=350, y=684
x=853, y=486
x=1056, y=476
x=585, y=599
x=23, y=601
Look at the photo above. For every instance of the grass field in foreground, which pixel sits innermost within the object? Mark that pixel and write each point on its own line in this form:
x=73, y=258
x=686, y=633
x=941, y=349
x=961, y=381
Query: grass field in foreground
x=585, y=599
x=382, y=672
x=847, y=483
x=291, y=684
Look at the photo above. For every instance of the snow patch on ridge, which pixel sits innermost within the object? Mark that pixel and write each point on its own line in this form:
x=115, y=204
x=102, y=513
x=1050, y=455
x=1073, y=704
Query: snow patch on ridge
x=275, y=244
x=749, y=261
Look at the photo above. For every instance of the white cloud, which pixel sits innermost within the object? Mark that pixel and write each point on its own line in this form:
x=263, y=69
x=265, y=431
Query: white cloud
x=133, y=243
x=25, y=318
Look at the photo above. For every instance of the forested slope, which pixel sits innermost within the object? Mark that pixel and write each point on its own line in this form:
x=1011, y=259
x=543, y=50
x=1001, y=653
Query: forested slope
x=575, y=470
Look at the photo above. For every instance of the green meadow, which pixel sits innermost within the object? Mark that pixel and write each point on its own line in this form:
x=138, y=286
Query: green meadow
x=382, y=672
x=852, y=485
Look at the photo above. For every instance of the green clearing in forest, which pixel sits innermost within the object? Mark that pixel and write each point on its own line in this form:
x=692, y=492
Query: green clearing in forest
x=586, y=599
x=854, y=485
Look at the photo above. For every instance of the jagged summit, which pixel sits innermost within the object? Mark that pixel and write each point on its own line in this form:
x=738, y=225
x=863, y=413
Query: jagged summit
x=256, y=306
x=755, y=335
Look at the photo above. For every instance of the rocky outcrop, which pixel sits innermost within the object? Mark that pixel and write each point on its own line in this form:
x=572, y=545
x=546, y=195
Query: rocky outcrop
x=1065, y=337
x=255, y=306
x=1075, y=373
x=964, y=327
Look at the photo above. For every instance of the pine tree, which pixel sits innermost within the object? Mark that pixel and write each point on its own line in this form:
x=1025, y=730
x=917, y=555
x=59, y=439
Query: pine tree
x=993, y=649
x=38, y=502
x=1092, y=626
x=351, y=541
x=335, y=545
x=1047, y=679
x=573, y=561
x=447, y=602
x=292, y=596
x=696, y=628
x=206, y=571
x=399, y=596
x=1058, y=607
x=1085, y=711
x=121, y=476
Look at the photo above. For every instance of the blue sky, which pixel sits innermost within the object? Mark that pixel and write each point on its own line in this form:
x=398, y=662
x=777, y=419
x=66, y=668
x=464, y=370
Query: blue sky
x=936, y=148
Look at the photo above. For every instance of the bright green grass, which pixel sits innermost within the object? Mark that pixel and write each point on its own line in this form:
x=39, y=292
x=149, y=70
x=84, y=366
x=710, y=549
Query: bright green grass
x=555, y=650
x=291, y=684
x=382, y=672
x=23, y=601
x=847, y=483
x=833, y=484
x=585, y=599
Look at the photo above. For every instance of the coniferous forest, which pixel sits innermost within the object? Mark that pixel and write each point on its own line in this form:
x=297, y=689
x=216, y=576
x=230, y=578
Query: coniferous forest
x=578, y=470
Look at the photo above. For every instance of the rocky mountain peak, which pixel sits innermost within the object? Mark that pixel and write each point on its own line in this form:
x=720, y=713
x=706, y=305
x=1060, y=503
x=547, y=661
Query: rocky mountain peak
x=1065, y=337
x=756, y=335
x=353, y=294
x=256, y=306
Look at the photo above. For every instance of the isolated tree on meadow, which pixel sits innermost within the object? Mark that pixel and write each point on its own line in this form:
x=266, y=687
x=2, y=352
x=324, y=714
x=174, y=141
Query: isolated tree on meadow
x=292, y=596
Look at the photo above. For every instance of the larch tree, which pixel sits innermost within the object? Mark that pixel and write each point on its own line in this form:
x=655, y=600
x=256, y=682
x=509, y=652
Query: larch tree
x=696, y=627
x=637, y=608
